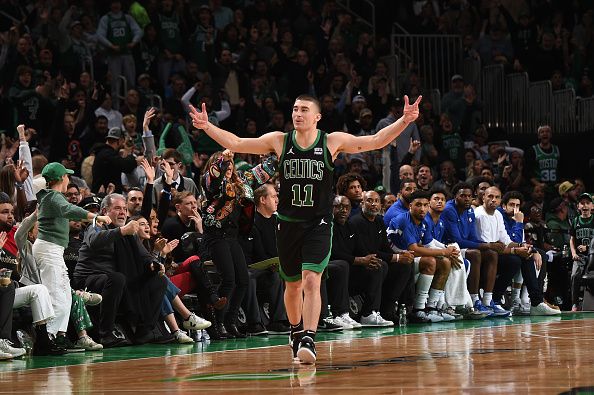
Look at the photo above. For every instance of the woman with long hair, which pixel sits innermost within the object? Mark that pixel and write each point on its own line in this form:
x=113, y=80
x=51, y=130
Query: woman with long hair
x=229, y=210
x=171, y=301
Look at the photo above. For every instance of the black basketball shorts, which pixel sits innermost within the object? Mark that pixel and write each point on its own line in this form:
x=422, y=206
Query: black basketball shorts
x=303, y=246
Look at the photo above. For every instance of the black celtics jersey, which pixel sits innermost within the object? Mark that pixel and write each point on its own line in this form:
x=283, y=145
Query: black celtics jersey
x=583, y=230
x=306, y=180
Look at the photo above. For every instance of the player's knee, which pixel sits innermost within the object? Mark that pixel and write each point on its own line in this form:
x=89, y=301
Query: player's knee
x=293, y=287
x=443, y=265
x=427, y=265
x=474, y=256
x=311, y=281
x=490, y=256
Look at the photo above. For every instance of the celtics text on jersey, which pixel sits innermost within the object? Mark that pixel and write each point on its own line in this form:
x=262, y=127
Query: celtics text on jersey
x=306, y=179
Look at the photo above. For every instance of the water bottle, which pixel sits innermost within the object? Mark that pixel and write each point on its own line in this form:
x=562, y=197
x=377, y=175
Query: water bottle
x=402, y=318
x=565, y=253
x=25, y=340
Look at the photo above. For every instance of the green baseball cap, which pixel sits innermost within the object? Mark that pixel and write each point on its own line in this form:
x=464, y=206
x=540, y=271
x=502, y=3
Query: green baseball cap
x=585, y=195
x=55, y=171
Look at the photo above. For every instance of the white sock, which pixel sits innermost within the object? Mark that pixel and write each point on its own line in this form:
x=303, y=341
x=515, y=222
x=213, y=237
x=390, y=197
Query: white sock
x=487, y=298
x=441, y=303
x=525, y=298
x=423, y=285
x=434, y=297
x=474, y=297
x=515, y=294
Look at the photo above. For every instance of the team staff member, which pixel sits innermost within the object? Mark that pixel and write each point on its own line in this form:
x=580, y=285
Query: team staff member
x=305, y=207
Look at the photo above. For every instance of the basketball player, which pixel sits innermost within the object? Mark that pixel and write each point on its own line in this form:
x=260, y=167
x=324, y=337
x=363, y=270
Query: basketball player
x=304, y=232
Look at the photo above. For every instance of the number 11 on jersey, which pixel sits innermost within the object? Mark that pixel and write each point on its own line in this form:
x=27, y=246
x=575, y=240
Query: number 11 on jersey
x=306, y=194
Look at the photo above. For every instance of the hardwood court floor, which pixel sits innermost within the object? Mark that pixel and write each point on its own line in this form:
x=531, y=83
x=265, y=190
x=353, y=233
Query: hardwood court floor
x=518, y=355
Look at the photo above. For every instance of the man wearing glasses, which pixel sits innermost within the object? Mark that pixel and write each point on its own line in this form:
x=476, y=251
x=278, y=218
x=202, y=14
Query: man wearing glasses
x=170, y=166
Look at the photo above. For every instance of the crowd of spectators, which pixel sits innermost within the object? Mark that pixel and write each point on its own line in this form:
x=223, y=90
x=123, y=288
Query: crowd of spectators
x=104, y=88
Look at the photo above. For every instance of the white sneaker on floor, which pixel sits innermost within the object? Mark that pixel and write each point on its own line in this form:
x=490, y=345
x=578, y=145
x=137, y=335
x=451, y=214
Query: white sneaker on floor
x=375, y=319
x=88, y=344
x=519, y=309
x=182, y=337
x=445, y=315
x=6, y=347
x=346, y=317
x=543, y=309
x=339, y=322
x=4, y=356
x=195, y=323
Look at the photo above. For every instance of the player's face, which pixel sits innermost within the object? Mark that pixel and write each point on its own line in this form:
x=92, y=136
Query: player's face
x=305, y=115
x=355, y=192
x=409, y=189
x=389, y=200
x=419, y=208
x=437, y=202
x=512, y=206
x=341, y=208
x=492, y=198
x=464, y=198
x=482, y=187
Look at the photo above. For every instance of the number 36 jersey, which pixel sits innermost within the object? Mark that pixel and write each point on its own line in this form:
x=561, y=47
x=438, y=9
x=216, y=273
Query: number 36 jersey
x=306, y=180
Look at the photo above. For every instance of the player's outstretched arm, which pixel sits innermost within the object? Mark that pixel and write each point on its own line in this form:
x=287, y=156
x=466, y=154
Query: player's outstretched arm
x=270, y=142
x=344, y=142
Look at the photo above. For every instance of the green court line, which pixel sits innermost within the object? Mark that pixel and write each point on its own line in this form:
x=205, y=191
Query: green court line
x=168, y=350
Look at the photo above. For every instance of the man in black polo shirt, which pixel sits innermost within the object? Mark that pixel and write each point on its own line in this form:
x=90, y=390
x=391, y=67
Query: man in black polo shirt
x=372, y=239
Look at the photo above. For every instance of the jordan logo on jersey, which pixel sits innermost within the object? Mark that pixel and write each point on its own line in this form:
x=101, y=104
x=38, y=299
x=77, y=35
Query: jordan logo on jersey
x=290, y=151
x=322, y=222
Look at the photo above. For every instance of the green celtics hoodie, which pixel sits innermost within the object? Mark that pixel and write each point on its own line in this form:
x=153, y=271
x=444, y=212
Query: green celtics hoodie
x=54, y=212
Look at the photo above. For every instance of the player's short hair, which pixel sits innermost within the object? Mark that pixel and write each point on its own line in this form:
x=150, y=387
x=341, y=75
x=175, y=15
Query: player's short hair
x=406, y=181
x=460, y=186
x=445, y=193
x=512, y=195
x=311, y=99
x=420, y=194
x=342, y=185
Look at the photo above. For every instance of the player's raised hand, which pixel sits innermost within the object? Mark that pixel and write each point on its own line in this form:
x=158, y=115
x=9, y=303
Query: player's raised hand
x=199, y=118
x=411, y=111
